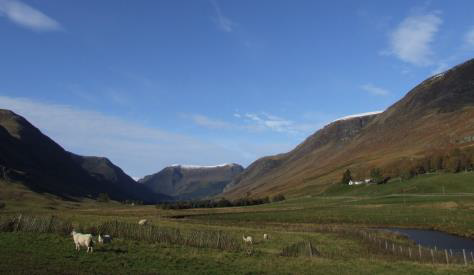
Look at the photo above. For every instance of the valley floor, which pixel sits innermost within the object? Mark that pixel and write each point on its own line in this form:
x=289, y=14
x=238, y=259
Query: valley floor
x=323, y=222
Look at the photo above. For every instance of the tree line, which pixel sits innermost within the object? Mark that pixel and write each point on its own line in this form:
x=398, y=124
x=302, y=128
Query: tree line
x=217, y=203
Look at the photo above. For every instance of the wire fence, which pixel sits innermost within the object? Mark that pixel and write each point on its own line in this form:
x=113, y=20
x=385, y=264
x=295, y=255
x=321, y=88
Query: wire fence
x=127, y=231
x=417, y=253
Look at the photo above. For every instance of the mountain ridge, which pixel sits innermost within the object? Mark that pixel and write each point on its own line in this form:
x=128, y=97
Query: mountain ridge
x=33, y=159
x=428, y=118
x=192, y=181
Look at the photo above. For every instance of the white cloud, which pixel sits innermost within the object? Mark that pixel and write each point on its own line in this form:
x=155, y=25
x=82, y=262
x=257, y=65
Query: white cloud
x=469, y=38
x=138, y=149
x=223, y=23
x=208, y=122
x=372, y=89
x=271, y=122
x=411, y=40
x=260, y=122
x=26, y=16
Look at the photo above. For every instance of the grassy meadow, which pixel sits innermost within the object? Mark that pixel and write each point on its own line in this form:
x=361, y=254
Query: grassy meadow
x=308, y=235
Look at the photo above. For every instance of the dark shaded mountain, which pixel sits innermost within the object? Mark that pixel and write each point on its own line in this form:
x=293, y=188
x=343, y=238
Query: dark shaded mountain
x=192, y=182
x=103, y=170
x=33, y=159
x=438, y=114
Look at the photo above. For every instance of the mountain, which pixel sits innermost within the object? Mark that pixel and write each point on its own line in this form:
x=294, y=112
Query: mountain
x=29, y=157
x=103, y=170
x=436, y=115
x=192, y=182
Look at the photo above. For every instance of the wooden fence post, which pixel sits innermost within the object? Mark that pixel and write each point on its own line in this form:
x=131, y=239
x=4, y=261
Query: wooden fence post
x=310, y=249
x=432, y=255
x=419, y=250
x=409, y=252
x=446, y=253
x=464, y=254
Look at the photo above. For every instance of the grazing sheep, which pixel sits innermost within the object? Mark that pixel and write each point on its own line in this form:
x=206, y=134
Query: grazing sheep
x=104, y=239
x=143, y=222
x=82, y=240
x=265, y=236
x=248, y=239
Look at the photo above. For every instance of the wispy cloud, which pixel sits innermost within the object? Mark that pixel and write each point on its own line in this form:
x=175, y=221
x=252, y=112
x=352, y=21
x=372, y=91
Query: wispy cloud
x=138, y=149
x=441, y=66
x=271, y=122
x=208, y=122
x=374, y=90
x=412, y=40
x=26, y=16
x=469, y=39
x=223, y=23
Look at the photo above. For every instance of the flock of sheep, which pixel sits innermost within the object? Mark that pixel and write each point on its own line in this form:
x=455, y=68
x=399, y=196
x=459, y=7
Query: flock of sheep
x=87, y=241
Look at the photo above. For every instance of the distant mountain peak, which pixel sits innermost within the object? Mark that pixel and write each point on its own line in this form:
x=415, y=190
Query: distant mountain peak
x=190, y=166
x=192, y=181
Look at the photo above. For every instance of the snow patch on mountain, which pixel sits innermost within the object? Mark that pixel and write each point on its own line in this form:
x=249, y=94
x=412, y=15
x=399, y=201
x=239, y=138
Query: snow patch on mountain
x=358, y=115
x=187, y=166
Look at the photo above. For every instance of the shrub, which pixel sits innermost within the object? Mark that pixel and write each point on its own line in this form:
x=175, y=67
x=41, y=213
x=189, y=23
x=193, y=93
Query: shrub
x=277, y=198
x=103, y=197
x=2, y=205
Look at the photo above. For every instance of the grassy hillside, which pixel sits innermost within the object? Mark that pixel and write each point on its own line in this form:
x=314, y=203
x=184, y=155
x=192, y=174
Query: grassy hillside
x=436, y=183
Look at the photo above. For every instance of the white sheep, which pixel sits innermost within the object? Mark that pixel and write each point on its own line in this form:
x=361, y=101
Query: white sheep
x=248, y=239
x=143, y=222
x=104, y=239
x=265, y=236
x=82, y=240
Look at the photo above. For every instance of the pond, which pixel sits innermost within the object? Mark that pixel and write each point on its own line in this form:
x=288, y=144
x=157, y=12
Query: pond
x=432, y=238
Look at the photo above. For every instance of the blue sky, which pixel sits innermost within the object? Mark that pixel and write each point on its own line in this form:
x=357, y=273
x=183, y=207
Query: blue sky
x=153, y=83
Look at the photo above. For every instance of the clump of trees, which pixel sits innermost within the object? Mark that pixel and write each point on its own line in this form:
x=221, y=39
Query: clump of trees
x=103, y=197
x=451, y=161
x=279, y=197
x=133, y=202
x=346, y=177
x=217, y=203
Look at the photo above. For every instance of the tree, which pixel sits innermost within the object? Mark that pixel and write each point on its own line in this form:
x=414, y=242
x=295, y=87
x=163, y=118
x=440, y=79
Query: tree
x=376, y=175
x=103, y=197
x=277, y=198
x=346, y=177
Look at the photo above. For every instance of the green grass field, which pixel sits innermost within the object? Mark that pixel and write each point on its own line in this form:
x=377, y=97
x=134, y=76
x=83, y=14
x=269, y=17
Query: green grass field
x=444, y=201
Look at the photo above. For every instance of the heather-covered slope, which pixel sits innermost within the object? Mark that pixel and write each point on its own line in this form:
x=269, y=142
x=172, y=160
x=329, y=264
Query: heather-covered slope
x=436, y=115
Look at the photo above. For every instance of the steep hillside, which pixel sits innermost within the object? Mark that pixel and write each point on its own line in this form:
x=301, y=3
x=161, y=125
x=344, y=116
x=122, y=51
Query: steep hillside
x=29, y=157
x=103, y=170
x=438, y=114
x=192, y=182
